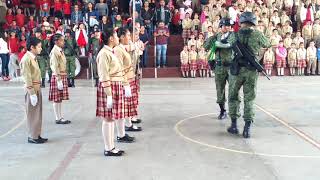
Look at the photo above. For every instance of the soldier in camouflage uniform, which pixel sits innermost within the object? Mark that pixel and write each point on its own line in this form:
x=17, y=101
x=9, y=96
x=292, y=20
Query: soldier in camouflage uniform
x=43, y=57
x=248, y=75
x=95, y=44
x=224, y=56
x=70, y=51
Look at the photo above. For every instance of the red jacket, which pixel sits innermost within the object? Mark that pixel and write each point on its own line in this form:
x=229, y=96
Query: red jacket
x=31, y=25
x=176, y=19
x=67, y=8
x=45, y=7
x=10, y=18
x=20, y=18
x=13, y=45
x=57, y=6
x=56, y=24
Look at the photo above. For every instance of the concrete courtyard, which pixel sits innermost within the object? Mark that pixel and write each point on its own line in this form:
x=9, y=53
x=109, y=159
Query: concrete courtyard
x=181, y=140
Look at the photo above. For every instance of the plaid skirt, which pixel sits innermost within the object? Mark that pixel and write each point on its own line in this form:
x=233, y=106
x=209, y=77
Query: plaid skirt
x=268, y=65
x=301, y=63
x=281, y=63
x=56, y=95
x=193, y=66
x=184, y=67
x=131, y=103
x=292, y=64
x=186, y=33
x=117, y=110
x=202, y=65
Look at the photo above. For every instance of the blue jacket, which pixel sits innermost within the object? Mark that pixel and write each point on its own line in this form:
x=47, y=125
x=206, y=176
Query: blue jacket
x=74, y=17
x=318, y=54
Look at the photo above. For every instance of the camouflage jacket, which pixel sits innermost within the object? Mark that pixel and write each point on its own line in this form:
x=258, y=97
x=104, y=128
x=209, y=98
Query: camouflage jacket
x=221, y=54
x=70, y=47
x=45, y=48
x=254, y=40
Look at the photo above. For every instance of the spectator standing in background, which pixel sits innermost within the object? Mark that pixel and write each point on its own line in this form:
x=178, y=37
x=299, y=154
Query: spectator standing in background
x=147, y=17
x=102, y=9
x=162, y=35
x=162, y=14
x=4, y=55
x=144, y=37
x=76, y=16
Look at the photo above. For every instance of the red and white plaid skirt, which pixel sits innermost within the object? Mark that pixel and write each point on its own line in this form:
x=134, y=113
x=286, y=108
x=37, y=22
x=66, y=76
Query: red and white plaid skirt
x=281, y=63
x=186, y=33
x=193, y=66
x=268, y=65
x=184, y=67
x=56, y=95
x=201, y=64
x=131, y=103
x=301, y=63
x=117, y=110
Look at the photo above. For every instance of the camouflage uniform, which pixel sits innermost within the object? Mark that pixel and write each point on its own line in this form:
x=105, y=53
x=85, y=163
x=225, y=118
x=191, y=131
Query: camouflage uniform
x=223, y=59
x=43, y=60
x=247, y=77
x=95, y=47
x=70, y=53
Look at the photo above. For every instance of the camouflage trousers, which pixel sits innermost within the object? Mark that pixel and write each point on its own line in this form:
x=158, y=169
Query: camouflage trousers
x=221, y=78
x=248, y=80
x=71, y=66
x=44, y=64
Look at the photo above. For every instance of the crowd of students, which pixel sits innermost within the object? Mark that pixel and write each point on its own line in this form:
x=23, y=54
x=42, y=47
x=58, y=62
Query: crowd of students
x=293, y=27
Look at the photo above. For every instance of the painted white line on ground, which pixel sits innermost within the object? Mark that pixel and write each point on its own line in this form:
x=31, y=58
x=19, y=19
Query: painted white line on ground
x=18, y=124
x=178, y=131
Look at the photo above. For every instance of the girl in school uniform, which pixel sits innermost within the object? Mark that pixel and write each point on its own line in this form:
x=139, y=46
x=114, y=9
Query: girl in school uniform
x=110, y=92
x=292, y=59
x=202, y=63
x=268, y=60
x=193, y=56
x=184, y=59
x=58, y=91
x=301, y=56
x=281, y=55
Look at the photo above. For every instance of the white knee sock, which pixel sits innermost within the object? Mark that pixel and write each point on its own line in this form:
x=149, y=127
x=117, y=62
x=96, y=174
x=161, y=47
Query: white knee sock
x=120, y=127
x=128, y=122
x=107, y=135
x=56, y=111
x=60, y=110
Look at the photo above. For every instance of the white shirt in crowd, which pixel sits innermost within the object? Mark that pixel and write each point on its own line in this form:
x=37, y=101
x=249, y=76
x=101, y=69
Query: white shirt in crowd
x=3, y=47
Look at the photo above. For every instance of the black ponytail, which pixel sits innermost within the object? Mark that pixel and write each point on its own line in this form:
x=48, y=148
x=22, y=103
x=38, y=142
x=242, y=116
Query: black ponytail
x=105, y=36
x=54, y=39
x=122, y=31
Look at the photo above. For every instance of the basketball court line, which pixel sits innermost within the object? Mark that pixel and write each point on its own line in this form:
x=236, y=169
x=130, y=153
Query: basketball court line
x=298, y=132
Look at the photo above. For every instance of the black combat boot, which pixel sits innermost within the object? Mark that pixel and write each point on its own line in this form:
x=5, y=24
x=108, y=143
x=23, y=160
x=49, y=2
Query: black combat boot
x=223, y=112
x=246, y=129
x=43, y=83
x=233, y=128
x=69, y=82
x=72, y=82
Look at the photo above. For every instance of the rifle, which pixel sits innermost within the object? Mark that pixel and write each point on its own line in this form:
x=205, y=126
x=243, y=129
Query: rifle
x=242, y=52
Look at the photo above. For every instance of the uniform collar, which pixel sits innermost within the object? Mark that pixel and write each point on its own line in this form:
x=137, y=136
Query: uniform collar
x=31, y=55
x=58, y=48
x=108, y=48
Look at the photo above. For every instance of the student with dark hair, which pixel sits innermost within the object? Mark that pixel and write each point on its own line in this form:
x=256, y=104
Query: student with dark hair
x=4, y=56
x=130, y=103
x=31, y=74
x=59, y=84
x=110, y=92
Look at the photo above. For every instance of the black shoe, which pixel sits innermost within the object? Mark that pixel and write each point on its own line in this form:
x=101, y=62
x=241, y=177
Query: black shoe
x=72, y=83
x=97, y=82
x=133, y=129
x=126, y=139
x=246, y=129
x=69, y=83
x=110, y=153
x=222, y=115
x=44, y=139
x=35, y=141
x=233, y=128
x=138, y=121
x=61, y=121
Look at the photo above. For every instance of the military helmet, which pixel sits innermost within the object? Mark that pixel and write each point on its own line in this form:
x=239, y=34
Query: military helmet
x=248, y=17
x=225, y=22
